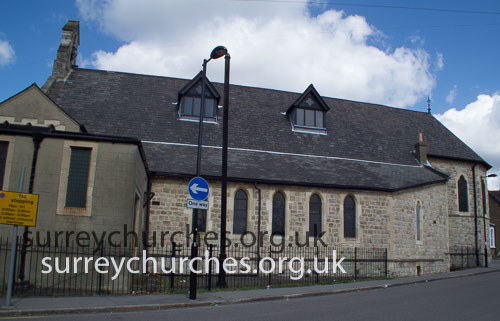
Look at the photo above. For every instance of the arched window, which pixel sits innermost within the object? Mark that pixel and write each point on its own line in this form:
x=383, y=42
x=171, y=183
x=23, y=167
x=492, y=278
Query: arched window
x=463, y=202
x=418, y=212
x=240, y=212
x=278, y=214
x=315, y=215
x=349, y=217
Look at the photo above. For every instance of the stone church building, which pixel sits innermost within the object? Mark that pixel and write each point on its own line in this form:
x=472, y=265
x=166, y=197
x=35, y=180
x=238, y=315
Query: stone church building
x=299, y=164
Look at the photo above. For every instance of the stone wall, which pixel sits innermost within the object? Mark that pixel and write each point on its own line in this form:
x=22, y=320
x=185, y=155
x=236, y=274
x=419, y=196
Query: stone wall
x=429, y=254
x=383, y=220
x=461, y=224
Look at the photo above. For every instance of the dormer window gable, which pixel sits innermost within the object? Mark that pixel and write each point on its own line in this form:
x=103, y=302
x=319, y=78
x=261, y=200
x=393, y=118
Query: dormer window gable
x=307, y=112
x=189, y=100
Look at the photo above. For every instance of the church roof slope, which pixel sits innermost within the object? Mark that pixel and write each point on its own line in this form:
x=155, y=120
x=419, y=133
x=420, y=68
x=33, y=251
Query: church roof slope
x=142, y=106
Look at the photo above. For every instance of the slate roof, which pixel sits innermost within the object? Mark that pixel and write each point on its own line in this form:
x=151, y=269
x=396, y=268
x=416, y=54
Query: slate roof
x=367, y=146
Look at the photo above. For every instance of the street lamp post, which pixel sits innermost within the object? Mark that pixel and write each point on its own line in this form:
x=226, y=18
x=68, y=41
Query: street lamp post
x=221, y=282
x=484, y=219
x=216, y=53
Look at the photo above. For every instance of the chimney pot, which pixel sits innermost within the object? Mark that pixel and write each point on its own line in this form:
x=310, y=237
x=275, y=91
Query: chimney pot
x=421, y=149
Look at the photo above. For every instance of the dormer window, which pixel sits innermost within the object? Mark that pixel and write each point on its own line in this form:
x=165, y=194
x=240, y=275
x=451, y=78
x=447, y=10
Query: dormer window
x=191, y=106
x=307, y=114
x=308, y=118
x=189, y=100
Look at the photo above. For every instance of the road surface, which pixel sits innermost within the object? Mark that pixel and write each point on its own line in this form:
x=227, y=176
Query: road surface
x=468, y=298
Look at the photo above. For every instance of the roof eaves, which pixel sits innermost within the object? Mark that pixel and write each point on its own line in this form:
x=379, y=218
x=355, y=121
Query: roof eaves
x=274, y=182
x=407, y=187
x=304, y=184
x=27, y=130
x=437, y=171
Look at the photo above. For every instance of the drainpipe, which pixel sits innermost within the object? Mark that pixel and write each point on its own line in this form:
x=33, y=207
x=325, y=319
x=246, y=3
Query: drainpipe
x=485, y=212
x=147, y=202
x=475, y=213
x=258, y=221
x=37, y=140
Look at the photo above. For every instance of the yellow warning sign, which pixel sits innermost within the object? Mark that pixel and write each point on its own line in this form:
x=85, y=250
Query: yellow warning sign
x=18, y=208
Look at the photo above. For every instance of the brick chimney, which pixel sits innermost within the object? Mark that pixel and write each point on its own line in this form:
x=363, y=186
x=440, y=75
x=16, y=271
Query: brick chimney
x=66, y=54
x=421, y=150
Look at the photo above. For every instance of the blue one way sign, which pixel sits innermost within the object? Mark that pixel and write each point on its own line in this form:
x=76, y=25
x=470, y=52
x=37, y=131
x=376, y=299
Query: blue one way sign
x=198, y=188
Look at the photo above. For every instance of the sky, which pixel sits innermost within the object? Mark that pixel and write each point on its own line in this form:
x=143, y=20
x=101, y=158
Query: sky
x=396, y=53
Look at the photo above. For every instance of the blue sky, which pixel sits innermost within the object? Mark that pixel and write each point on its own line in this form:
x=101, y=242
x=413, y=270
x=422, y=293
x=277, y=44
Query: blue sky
x=360, y=50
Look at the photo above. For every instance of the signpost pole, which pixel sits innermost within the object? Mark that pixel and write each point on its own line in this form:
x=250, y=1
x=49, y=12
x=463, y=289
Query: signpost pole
x=13, y=251
x=196, y=213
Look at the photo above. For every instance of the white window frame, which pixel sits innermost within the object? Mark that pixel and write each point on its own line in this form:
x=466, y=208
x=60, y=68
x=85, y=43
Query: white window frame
x=492, y=237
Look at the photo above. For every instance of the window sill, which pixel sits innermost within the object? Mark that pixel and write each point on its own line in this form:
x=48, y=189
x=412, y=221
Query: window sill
x=197, y=119
x=309, y=130
x=74, y=211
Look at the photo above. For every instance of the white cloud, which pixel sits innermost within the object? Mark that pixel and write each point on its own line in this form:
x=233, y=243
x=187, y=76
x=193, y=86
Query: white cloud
x=452, y=95
x=7, y=54
x=417, y=40
x=478, y=125
x=439, y=61
x=272, y=44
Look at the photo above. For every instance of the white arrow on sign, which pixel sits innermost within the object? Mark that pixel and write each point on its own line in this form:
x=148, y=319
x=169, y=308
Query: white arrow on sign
x=195, y=189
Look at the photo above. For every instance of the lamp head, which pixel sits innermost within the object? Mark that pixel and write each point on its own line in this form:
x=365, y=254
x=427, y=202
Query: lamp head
x=492, y=175
x=218, y=52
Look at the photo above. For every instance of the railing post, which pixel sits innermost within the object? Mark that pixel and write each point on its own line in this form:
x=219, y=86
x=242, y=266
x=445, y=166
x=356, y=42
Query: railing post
x=172, y=261
x=462, y=257
x=270, y=274
x=386, y=262
x=355, y=263
x=210, y=252
x=467, y=256
x=99, y=275
x=485, y=256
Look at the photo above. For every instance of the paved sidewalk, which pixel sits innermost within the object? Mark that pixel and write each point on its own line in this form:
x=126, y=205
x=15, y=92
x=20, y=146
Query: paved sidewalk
x=97, y=304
